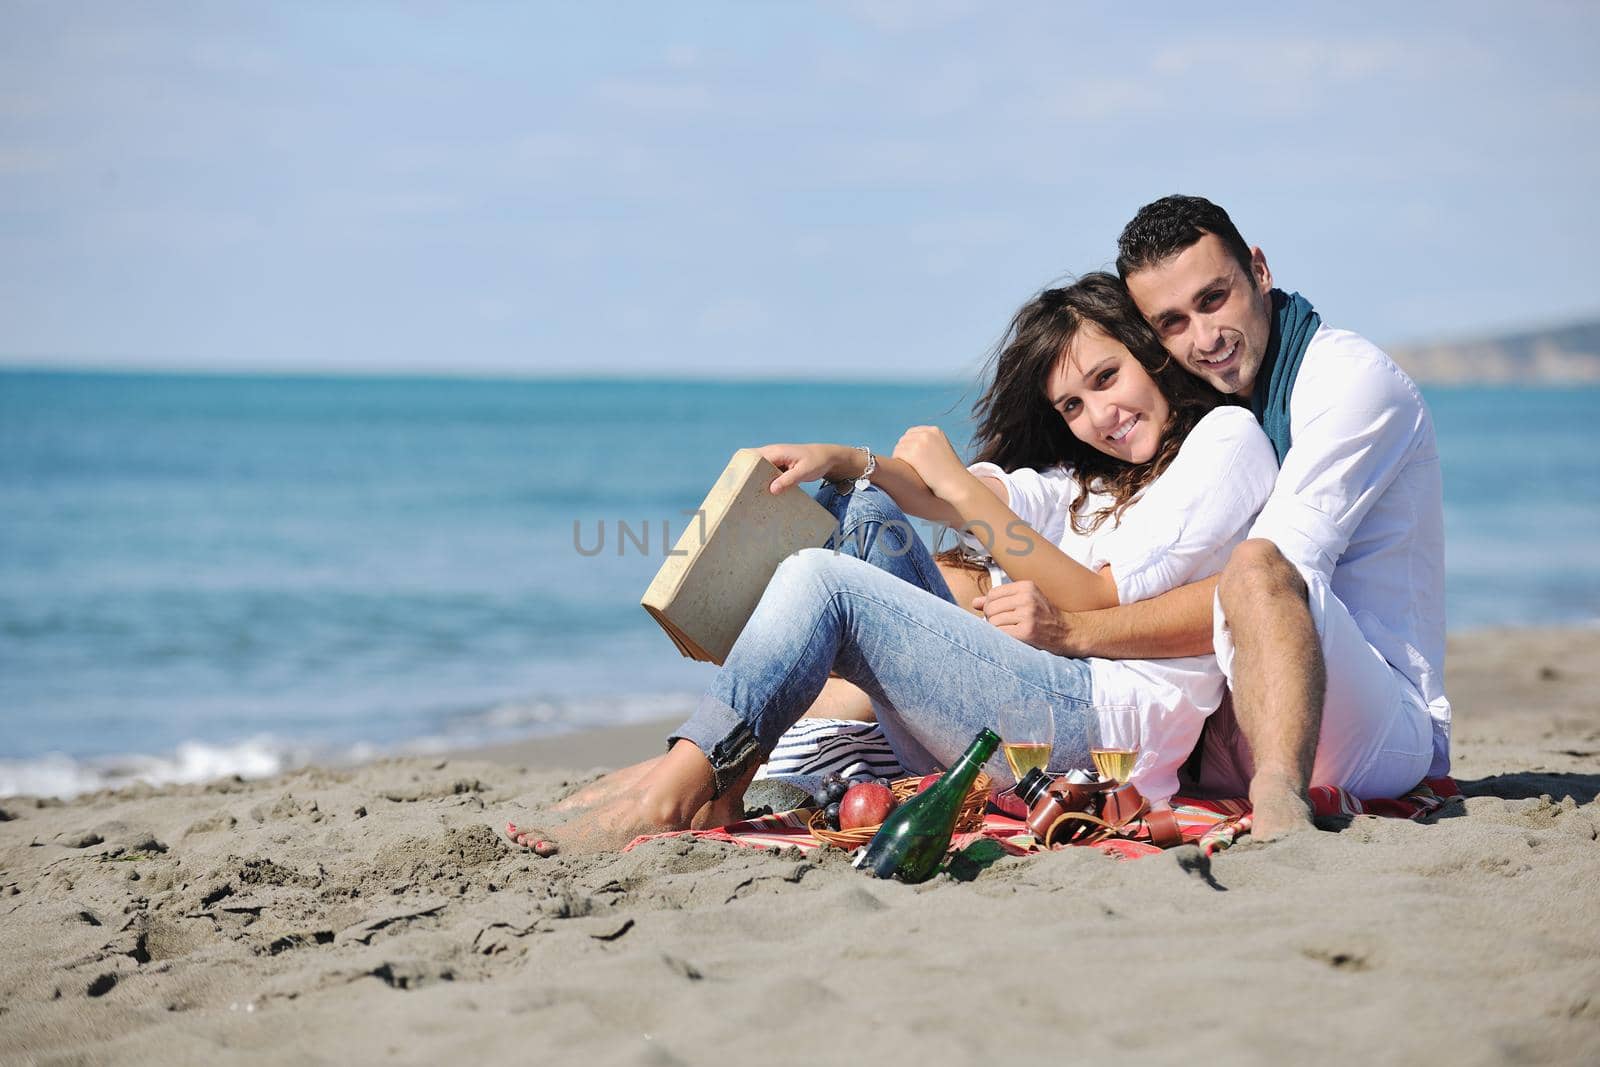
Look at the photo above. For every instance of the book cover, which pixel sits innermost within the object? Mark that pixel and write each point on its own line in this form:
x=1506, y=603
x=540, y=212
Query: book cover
x=712, y=580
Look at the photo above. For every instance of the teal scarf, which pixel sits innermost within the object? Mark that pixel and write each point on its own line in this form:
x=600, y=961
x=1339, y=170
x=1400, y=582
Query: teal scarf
x=1293, y=322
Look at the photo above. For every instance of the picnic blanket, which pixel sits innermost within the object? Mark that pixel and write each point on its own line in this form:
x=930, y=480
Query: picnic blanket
x=1212, y=824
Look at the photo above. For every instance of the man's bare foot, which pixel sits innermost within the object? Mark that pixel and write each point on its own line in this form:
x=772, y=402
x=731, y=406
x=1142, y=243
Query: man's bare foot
x=1278, y=807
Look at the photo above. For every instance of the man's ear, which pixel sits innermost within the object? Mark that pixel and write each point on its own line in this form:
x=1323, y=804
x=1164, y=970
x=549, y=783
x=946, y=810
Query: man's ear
x=1260, y=273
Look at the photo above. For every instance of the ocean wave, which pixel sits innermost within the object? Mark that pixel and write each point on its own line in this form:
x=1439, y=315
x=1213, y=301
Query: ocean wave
x=58, y=774
x=542, y=716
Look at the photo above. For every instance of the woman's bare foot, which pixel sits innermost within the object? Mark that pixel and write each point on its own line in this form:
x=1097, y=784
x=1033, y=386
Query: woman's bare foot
x=728, y=808
x=668, y=797
x=606, y=828
x=534, y=840
x=606, y=787
x=1278, y=807
x=720, y=812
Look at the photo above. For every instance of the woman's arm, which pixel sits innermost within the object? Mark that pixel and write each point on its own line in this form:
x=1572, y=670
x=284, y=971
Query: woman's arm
x=808, y=463
x=1022, y=552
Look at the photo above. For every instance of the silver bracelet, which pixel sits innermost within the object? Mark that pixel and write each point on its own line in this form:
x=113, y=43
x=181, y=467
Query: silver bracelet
x=844, y=486
x=872, y=465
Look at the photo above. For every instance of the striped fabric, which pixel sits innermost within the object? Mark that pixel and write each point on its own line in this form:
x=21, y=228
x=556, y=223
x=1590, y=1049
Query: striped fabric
x=812, y=748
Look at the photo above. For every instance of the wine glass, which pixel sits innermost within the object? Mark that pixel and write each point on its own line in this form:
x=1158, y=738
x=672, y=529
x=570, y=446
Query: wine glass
x=1114, y=736
x=1027, y=735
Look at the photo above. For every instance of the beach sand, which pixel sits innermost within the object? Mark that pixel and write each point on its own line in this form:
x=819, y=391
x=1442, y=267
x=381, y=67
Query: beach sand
x=377, y=913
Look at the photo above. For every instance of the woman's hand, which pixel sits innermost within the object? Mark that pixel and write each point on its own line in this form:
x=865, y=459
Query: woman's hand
x=807, y=463
x=931, y=455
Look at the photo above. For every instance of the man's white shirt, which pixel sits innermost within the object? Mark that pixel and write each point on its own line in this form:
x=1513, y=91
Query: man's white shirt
x=1358, y=508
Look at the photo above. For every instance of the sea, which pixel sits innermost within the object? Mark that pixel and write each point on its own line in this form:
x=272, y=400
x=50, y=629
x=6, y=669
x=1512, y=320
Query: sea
x=212, y=575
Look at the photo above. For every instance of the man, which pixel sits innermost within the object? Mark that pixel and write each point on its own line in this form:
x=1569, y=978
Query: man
x=1329, y=620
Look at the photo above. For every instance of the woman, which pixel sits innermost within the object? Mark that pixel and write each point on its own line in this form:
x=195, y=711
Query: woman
x=1106, y=475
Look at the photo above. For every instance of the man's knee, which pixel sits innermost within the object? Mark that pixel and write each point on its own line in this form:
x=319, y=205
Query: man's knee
x=1257, y=572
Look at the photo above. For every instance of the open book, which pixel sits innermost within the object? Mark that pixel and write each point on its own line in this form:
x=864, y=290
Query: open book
x=714, y=577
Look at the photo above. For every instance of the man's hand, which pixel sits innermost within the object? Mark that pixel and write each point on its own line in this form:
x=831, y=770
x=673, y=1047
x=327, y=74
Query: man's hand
x=1022, y=611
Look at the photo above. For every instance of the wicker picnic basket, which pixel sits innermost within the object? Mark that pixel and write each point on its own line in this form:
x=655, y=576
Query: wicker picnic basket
x=970, y=818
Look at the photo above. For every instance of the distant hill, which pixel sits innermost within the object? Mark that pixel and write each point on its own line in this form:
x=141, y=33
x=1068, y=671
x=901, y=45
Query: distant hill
x=1565, y=354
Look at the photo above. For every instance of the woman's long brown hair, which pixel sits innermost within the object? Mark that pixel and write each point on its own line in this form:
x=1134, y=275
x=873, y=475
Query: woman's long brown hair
x=1017, y=427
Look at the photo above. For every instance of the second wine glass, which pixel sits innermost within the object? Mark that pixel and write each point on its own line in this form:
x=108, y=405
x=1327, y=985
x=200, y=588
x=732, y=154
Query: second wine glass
x=1114, y=742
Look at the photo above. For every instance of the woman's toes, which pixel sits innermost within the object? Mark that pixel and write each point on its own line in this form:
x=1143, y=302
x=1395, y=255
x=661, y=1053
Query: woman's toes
x=531, y=840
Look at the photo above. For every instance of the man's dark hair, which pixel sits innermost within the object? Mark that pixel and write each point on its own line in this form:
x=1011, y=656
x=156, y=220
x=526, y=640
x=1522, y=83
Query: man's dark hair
x=1167, y=226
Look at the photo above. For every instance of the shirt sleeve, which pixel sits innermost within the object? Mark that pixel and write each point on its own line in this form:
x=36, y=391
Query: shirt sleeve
x=1203, y=502
x=1355, y=423
x=1038, y=498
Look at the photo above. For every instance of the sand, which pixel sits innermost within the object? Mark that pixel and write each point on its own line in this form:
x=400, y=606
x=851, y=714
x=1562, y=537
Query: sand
x=356, y=915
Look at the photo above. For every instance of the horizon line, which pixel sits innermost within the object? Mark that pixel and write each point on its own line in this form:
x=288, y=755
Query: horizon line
x=620, y=377
x=512, y=377
x=80, y=364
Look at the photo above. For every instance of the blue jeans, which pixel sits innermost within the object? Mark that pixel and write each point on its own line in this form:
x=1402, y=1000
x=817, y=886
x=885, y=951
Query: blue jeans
x=885, y=620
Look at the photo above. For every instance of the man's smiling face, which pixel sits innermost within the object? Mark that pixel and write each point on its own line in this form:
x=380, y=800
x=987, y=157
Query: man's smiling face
x=1212, y=314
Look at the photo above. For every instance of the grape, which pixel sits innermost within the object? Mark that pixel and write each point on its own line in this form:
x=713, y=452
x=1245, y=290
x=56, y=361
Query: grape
x=831, y=814
x=833, y=790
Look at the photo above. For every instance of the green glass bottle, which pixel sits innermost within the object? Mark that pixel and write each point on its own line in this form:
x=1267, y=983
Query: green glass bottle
x=914, y=837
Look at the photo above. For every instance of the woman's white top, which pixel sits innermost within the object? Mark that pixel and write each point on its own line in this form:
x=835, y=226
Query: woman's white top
x=1179, y=529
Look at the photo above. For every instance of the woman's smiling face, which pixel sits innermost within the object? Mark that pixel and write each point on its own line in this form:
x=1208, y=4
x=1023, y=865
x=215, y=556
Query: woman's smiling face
x=1107, y=398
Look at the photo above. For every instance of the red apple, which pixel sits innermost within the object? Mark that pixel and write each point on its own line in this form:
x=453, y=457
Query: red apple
x=929, y=780
x=865, y=804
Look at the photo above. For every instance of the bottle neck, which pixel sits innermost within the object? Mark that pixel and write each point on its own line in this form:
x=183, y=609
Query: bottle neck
x=976, y=755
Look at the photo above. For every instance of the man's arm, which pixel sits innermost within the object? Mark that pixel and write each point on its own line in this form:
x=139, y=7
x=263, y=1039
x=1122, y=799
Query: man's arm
x=1356, y=429
x=1176, y=623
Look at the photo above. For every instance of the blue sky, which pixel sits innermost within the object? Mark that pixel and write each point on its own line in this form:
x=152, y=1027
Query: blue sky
x=755, y=189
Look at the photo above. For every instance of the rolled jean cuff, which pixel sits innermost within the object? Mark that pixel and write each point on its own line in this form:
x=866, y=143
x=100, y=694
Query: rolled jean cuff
x=727, y=741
